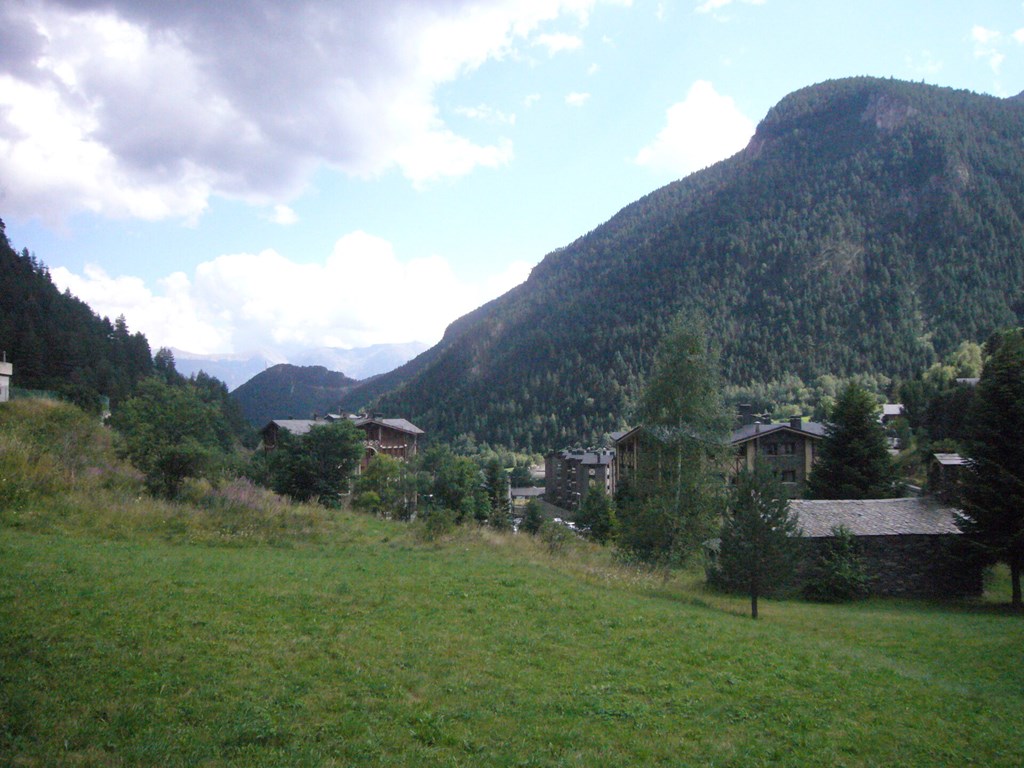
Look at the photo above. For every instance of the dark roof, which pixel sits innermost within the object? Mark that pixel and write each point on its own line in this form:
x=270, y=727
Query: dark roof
x=750, y=431
x=876, y=517
x=587, y=457
x=401, y=425
x=618, y=437
x=295, y=426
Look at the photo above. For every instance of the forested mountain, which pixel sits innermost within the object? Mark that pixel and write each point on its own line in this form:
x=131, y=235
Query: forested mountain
x=868, y=226
x=291, y=392
x=56, y=342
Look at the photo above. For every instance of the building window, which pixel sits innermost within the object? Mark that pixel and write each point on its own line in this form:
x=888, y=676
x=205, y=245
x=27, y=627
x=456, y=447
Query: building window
x=789, y=475
x=789, y=448
x=772, y=449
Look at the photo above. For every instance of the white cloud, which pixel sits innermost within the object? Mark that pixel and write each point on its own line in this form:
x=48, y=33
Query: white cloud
x=984, y=36
x=283, y=215
x=557, y=43
x=1019, y=35
x=988, y=46
x=361, y=294
x=146, y=109
x=168, y=317
x=699, y=131
x=487, y=114
x=711, y=6
x=576, y=99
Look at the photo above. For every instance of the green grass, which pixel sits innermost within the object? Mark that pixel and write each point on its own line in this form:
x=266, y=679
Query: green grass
x=364, y=646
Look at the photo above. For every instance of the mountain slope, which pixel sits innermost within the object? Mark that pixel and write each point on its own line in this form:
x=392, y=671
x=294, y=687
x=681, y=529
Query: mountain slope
x=291, y=392
x=57, y=343
x=869, y=225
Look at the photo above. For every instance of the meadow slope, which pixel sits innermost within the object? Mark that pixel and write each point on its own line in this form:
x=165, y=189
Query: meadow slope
x=365, y=645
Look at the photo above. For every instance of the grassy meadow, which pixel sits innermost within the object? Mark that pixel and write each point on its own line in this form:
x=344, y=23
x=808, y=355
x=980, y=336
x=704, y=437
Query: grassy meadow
x=239, y=631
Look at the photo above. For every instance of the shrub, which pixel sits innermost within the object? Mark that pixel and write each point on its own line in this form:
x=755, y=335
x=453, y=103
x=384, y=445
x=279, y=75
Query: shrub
x=555, y=535
x=436, y=523
x=534, y=517
x=839, y=575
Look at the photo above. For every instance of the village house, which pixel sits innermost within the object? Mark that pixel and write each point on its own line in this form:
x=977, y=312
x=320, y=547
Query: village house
x=6, y=371
x=790, y=448
x=909, y=547
x=398, y=438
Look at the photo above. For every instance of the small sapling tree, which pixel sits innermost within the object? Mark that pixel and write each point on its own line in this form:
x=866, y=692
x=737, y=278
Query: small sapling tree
x=756, y=554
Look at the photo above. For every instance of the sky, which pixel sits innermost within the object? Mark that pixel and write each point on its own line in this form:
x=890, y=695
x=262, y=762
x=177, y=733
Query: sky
x=272, y=175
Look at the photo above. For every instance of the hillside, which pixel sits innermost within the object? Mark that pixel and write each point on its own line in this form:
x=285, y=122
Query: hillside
x=289, y=391
x=56, y=342
x=233, y=628
x=868, y=226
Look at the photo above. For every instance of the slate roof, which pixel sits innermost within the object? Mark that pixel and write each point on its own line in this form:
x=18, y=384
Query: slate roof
x=402, y=425
x=876, y=517
x=295, y=426
x=749, y=431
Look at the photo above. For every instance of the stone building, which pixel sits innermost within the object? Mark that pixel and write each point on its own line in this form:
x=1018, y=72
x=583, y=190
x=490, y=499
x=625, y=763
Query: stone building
x=909, y=547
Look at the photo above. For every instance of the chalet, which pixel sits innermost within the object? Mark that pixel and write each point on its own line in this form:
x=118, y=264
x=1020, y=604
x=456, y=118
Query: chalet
x=397, y=438
x=570, y=475
x=909, y=547
x=790, y=448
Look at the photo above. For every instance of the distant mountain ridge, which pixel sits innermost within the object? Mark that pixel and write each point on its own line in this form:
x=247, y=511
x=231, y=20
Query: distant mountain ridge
x=291, y=392
x=869, y=226
x=359, y=363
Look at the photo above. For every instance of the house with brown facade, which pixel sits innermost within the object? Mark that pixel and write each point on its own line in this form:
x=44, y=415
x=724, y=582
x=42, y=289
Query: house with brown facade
x=789, y=448
x=398, y=438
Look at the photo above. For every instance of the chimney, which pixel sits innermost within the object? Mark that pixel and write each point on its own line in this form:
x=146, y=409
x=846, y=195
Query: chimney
x=796, y=422
x=746, y=414
x=757, y=427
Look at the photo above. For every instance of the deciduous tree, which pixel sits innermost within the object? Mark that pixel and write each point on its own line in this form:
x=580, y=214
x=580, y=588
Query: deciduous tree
x=596, y=516
x=674, y=502
x=317, y=465
x=168, y=432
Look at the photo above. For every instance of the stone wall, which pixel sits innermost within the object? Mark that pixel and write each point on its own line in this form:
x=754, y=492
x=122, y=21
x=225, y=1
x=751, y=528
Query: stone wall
x=936, y=566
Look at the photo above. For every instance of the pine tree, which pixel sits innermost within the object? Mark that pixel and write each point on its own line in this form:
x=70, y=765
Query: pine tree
x=853, y=459
x=758, y=536
x=993, y=486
